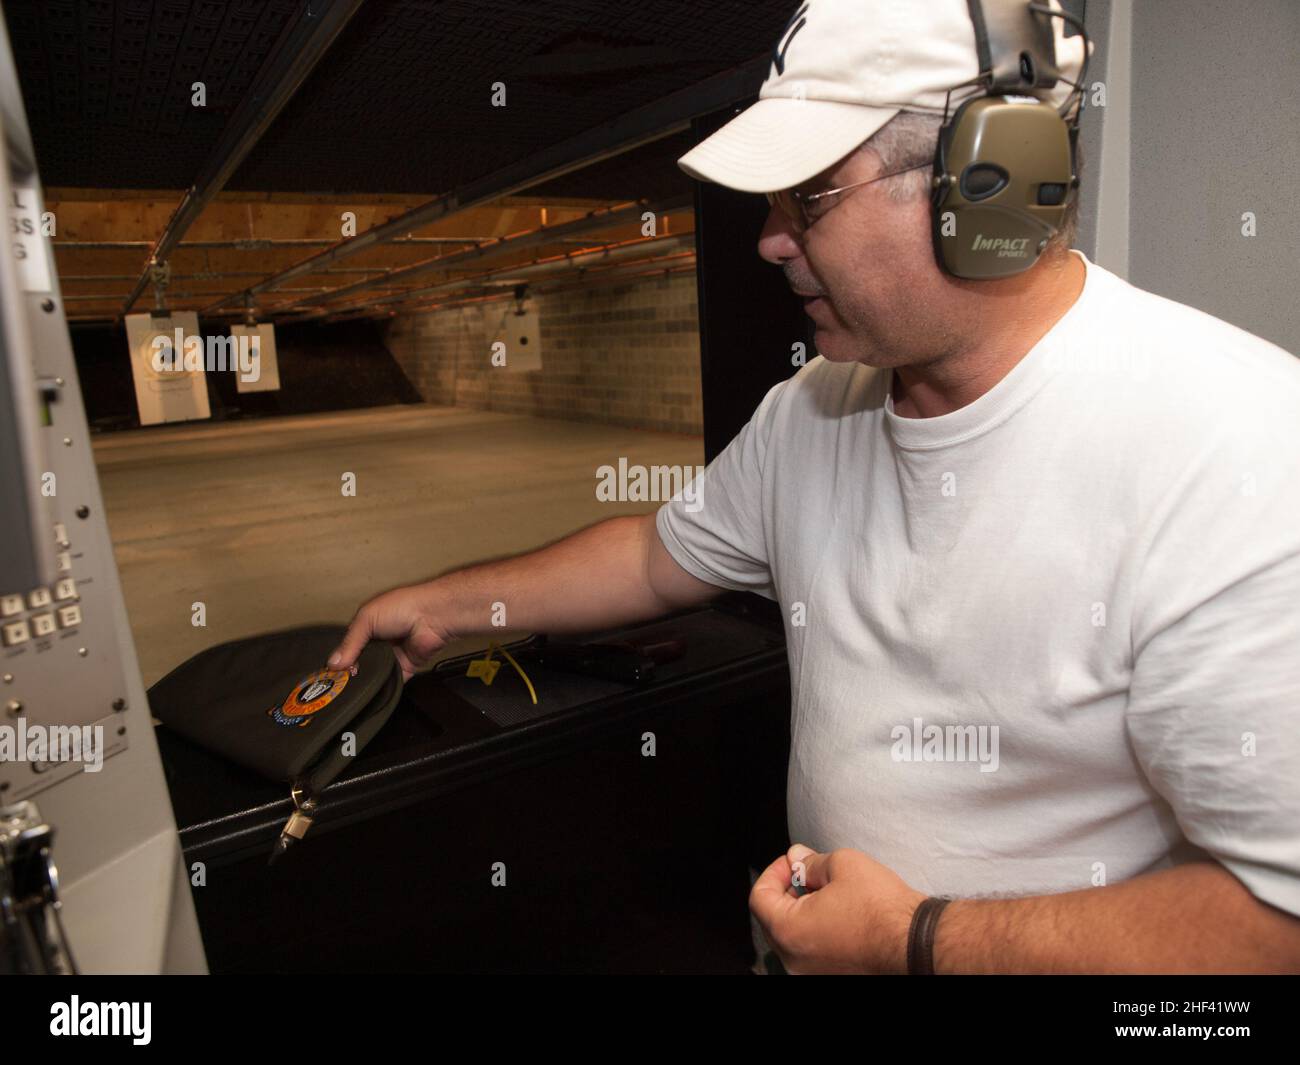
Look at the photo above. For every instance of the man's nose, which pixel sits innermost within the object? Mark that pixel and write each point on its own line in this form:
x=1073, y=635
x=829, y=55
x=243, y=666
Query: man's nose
x=778, y=242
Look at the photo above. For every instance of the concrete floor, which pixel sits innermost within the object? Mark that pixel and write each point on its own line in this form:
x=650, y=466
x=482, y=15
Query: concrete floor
x=248, y=517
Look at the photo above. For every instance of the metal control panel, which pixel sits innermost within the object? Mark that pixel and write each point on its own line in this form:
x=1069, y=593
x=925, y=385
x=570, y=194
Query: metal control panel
x=62, y=679
x=75, y=727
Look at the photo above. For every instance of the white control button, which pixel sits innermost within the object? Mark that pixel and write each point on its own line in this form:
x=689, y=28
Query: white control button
x=16, y=632
x=43, y=624
x=39, y=598
x=11, y=605
x=65, y=561
x=69, y=616
x=61, y=534
x=66, y=589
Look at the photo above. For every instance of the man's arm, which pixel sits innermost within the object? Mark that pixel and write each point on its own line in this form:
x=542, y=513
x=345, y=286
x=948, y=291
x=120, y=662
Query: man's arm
x=1194, y=918
x=854, y=916
x=612, y=573
x=616, y=572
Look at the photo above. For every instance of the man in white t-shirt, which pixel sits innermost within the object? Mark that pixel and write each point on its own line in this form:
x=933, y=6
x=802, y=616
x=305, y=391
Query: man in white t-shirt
x=1036, y=541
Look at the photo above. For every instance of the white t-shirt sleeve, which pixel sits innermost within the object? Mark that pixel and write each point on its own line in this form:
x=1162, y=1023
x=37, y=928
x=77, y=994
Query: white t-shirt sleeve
x=1214, y=704
x=716, y=531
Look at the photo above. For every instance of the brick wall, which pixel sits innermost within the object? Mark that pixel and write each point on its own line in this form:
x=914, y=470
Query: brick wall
x=622, y=354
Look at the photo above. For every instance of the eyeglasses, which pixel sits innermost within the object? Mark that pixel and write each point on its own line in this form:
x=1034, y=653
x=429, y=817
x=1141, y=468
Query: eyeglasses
x=803, y=210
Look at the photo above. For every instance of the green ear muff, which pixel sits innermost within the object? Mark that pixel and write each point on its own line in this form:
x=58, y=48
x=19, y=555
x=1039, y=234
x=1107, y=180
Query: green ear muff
x=1004, y=175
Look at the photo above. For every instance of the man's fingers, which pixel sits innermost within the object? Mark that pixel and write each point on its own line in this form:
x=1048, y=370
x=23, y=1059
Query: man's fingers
x=770, y=896
x=811, y=867
x=358, y=635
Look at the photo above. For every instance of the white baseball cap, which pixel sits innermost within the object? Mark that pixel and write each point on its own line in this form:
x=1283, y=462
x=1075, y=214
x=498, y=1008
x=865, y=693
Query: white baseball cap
x=841, y=70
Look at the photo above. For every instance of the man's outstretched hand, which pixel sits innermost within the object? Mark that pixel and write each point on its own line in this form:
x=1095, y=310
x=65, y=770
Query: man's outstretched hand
x=407, y=618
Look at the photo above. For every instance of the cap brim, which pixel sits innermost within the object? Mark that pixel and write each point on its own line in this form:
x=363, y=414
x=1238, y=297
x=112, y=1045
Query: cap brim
x=781, y=142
